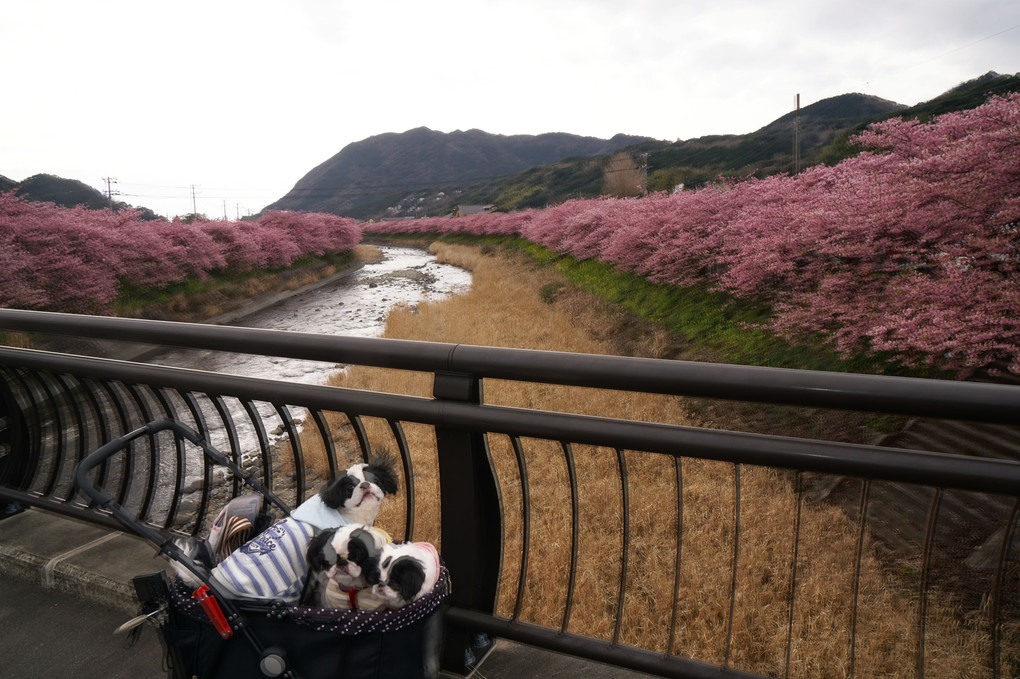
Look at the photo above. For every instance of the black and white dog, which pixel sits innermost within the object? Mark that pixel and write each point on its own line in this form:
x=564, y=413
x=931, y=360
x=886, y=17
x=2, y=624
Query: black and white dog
x=358, y=494
x=342, y=565
x=273, y=564
x=407, y=571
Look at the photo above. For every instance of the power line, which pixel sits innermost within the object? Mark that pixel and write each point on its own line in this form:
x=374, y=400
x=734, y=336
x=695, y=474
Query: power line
x=896, y=71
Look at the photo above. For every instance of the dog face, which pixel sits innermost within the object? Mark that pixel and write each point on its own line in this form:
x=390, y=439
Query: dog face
x=358, y=493
x=348, y=555
x=407, y=572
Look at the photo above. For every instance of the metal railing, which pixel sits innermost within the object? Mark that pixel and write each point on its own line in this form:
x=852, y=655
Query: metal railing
x=654, y=546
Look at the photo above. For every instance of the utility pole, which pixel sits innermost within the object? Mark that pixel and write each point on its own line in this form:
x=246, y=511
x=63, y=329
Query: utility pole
x=110, y=181
x=194, y=205
x=796, y=135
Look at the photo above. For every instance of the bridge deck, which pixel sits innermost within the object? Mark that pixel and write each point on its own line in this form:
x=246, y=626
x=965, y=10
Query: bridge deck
x=87, y=564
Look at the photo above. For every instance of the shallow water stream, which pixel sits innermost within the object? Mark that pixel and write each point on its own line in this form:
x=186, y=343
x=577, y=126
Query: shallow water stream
x=355, y=306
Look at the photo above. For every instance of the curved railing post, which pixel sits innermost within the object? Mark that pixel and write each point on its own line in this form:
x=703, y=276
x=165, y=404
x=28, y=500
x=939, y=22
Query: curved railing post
x=472, y=518
x=17, y=462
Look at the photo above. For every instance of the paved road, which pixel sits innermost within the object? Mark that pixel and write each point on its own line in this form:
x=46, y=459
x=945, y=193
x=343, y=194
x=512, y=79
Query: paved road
x=48, y=635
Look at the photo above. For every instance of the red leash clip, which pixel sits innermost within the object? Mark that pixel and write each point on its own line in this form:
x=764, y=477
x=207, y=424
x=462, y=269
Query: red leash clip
x=212, y=609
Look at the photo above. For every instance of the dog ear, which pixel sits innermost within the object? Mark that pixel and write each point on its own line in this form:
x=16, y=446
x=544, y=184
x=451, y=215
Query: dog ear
x=357, y=552
x=316, y=559
x=337, y=491
x=384, y=468
x=370, y=571
x=406, y=577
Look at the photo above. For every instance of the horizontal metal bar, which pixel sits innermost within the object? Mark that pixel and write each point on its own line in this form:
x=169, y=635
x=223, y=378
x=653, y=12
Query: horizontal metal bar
x=869, y=393
x=594, y=649
x=939, y=469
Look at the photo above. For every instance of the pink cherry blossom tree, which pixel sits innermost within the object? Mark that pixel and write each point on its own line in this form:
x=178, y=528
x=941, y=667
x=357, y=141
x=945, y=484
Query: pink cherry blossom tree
x=77, y=260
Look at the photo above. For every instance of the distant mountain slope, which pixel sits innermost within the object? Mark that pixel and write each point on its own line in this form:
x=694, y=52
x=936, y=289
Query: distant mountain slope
x=967, y=95
x=834, y=113
x=367, y=176
x=825, y=131
x=770, y=149
x=50, y=188
x=691, y=162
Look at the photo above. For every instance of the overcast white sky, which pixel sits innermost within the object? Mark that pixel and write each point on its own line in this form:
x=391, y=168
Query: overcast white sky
x=241, y=98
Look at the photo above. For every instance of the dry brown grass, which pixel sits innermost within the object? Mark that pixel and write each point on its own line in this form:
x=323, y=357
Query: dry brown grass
x=504, y=308
x=369, y=254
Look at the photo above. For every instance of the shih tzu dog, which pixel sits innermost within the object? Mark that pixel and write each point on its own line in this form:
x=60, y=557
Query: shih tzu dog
x=358, y=494
x=342, y=565
x=272, y=565
x=407, y=571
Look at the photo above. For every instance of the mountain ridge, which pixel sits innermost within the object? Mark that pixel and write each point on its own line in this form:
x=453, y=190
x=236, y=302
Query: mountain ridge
x=381, y=168
x=422, y=172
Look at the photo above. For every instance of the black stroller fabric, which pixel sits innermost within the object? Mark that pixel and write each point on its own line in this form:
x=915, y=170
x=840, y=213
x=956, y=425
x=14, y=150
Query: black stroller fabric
x=316, y=642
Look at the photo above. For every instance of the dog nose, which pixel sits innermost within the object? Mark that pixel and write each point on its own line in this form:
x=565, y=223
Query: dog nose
x=365, y=484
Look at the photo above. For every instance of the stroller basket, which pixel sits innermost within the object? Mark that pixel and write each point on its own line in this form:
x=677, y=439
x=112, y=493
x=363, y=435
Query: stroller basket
x=226, y=638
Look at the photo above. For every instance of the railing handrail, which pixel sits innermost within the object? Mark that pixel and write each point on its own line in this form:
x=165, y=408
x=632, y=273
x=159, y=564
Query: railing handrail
x=940, y=469
x=94, y=399
x=982, y=402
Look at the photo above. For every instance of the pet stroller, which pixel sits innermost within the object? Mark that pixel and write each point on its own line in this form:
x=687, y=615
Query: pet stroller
x=205, y=634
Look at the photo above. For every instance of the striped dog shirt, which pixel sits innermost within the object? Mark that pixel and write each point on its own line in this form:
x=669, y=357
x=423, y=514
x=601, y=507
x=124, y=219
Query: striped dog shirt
x=273, y=565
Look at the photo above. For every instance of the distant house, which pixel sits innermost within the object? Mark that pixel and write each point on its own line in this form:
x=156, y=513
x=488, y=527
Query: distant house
x=464, y=210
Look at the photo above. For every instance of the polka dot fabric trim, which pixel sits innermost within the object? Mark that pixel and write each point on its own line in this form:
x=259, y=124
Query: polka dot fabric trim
x=338, y=621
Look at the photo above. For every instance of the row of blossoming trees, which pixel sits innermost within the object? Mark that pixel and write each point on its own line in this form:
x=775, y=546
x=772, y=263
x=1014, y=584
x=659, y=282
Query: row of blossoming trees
x=76, y=260
x=910, y=248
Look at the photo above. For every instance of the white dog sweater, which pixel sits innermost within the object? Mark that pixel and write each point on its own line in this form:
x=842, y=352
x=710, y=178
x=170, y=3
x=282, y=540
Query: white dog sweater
x=272, y=565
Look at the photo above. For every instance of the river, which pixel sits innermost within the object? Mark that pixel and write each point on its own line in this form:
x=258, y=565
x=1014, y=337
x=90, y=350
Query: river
x=355, y=306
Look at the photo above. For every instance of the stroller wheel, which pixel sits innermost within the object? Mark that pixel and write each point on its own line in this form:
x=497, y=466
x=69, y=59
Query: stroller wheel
x=273, y=662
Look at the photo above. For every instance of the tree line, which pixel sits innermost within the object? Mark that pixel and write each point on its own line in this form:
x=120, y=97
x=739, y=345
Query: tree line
x=79, y=260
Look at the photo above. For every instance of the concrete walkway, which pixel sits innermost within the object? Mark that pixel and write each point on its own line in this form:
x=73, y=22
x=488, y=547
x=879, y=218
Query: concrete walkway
x=67, y=586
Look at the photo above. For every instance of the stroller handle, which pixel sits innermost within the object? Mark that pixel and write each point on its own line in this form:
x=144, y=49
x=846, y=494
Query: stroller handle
x=232, y=619
x=104, y=452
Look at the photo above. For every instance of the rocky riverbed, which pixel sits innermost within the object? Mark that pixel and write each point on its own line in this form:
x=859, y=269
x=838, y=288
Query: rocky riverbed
x=354, y=306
